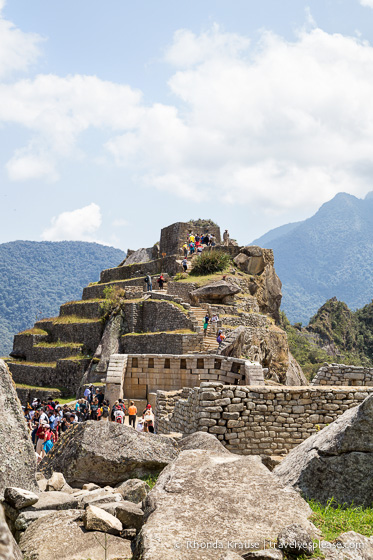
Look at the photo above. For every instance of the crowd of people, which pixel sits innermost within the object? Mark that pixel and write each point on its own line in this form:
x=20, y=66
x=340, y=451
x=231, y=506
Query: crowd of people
x=195, y=243
x=48, y=420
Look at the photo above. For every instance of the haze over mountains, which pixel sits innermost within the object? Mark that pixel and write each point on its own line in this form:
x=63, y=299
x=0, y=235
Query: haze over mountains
x=327, y=255
x=37, y=277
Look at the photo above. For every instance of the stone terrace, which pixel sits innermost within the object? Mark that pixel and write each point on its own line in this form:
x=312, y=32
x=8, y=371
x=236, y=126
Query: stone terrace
x=255, y=420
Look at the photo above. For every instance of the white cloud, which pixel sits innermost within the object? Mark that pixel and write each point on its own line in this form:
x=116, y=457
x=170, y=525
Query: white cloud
x=281, y=125
x=367, y=3
x=80, y=224
x=18, y=50
x=120, y=222
x=278, y=124
x=26, y=165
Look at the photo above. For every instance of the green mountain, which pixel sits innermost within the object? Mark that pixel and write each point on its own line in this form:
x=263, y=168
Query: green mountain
x=334, y=334
x=330, y=254
x=37, y=277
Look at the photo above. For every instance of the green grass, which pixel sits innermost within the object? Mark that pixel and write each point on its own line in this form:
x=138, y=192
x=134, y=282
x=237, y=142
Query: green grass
x=34, y=330
x=210, y=262
x=82, y=301
x=177, y=331
x=333, y=520
x=68, y=319
x=58, y=344
x=150, y=479
x=34, y=364
x=25, y=386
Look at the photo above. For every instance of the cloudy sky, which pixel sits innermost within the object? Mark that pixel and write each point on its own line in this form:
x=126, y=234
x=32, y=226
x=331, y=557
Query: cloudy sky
x=121, y=117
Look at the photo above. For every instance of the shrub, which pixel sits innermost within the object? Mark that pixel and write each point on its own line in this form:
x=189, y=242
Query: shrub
x=210, y=262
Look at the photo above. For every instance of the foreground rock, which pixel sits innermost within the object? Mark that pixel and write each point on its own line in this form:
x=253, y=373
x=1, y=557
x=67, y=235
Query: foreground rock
x=202, y=440
x=208, y=497
x=336, y=462
x=133, y=490
x=17, y=457
x=63, y=536
x=96, y=519
x=8, y=547
x=19, y=498
x=107, y=453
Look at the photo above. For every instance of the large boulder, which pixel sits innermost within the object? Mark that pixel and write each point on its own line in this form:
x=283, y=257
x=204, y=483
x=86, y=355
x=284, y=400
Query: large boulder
x=8, y=547
x=216, y=292
x=202, y=440
x=336, y=462
x=63, y=536
x=107, y=453
x=17, y=457
x=208, y=497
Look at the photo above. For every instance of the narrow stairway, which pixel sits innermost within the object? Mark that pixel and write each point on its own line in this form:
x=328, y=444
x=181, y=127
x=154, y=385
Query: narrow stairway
x=209, y=341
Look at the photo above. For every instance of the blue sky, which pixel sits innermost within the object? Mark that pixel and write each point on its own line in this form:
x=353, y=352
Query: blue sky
x=121, y=117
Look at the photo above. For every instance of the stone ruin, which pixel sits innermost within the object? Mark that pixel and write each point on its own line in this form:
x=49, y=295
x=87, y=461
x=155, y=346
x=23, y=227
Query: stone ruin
x=135, y=343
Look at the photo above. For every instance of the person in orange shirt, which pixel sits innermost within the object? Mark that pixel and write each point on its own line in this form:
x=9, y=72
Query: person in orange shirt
x=132, y=411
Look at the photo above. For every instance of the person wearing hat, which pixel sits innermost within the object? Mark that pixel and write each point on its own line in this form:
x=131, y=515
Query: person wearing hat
x=148, y=417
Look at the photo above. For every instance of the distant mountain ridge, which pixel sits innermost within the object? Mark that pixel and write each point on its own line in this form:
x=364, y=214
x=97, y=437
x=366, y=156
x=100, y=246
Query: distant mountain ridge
x=37, y=277
x=327, y=255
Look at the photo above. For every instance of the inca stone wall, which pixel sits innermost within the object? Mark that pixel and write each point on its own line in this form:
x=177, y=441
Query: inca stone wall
x=146, y=373
x=168, y=264
x=339, y=374
x=256, y=420
x=173, y=237
x=161, y=343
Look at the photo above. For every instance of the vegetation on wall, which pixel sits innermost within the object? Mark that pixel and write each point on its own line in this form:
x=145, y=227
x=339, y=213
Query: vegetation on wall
x=209, y=262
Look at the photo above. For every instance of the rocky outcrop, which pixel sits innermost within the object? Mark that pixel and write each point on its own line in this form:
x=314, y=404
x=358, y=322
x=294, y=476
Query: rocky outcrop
x=141, y=255
x=206, y=497
x=8, y=547
x=216, y=292
x=63, y=535
x=336, y=462
x=202, y=440
x=17, y=457
x=107, y=453
x=294, y=374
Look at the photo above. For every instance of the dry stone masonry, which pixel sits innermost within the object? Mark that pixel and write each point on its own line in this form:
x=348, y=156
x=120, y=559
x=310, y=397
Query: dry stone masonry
x=255, y=420
x=340, y=374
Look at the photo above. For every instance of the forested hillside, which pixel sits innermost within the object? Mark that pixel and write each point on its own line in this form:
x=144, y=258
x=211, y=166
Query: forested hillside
x=334, y=334
x=37, y=277
x=330, y=254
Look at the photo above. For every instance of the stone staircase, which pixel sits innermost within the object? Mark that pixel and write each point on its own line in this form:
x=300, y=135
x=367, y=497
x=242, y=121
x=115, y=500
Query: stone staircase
x=209, y=341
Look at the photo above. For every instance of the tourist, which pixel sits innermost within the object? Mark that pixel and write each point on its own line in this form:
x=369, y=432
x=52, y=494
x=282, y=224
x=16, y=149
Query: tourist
x=87, y=393
x=206, y=324
x=192, y=246
x=214, y=322
x=212, y=241
x=220, y=338
x=132, y=411
x=104, y=412
x=185, y=249
x=149, y=284
x=94, y=409
x=226, y=238
x=148, y=420
x=119, y=416
x=40, y=435
x=185, y=264
x=99, y=396
x=161, y=281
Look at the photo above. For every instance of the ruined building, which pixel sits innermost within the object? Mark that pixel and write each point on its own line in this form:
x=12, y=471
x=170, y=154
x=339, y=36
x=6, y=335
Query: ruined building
x=135, y=342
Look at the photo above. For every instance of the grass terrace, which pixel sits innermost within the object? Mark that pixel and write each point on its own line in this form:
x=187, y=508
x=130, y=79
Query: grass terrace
x=178, y=331
x=34, y=330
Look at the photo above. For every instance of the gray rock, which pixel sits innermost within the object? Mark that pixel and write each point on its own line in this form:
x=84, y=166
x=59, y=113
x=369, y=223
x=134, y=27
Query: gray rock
x=129, y=534
x=27, y=517
x=130, y=515
x=70, y=540
x=266, y=554
x=348, y=546
x=42, y=484
x=202, y=440
x=216, y=292
x=99, y=500
x=205, y=497
x=110, y=507
x=107, y=453
x=90, y=486
x=20, y=498
x=56, y=482
x=133, y=490
x=8, y=547
x=17, y=457
x=96, y=519
x=54, y=500
x=336, y=462
x=296, y=540
x=294, y=374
